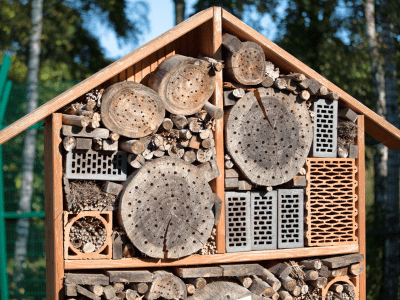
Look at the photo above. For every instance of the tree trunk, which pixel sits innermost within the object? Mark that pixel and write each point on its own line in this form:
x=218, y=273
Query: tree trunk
x=28, y=155
x=391, y=269
x=179, y=11
x=386, y=162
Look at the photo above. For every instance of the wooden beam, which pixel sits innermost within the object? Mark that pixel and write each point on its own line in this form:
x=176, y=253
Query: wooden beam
x=375, y=125
x=103, y=75
x=360, y=176
x=54, y=207
x=212, y=259
x=218, y=100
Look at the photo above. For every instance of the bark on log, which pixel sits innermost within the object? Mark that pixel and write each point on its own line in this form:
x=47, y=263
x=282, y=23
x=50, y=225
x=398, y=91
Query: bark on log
x=320, y=282
x=183, y=83
x=247, y=64
x=167, y=124
x=261, y=288
x=136, y=161
x=75, y=120
x=179, y=121
x=284, y=295
x=140, y=287
x=132, y=146
x=132, y=109
x=157, y=198
x=310, y=275
x=118, y=287
x=245, y=281
x=214, y=111
x=296, y=291
x=271, y=280
x=162, y=279
x=280, y=128
x=336, y=287
x=267, y=82
x=338, y=272
x=281, y=270
x=295, y=76
x=311, y=264
x=288, y=283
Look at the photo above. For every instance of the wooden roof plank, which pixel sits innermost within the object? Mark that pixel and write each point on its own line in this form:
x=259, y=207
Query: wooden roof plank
x=103, y=75
x=375, y=125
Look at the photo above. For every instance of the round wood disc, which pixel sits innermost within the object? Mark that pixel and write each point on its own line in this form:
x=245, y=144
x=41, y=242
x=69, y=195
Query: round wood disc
x=184, y=84
x=269, y=148
x=247, y=66
x=166, y=208
x=131, y=109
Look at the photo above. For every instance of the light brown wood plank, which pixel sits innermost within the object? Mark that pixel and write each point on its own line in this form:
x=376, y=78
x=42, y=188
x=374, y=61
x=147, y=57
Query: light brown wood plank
x=161, y=55
x=169, y=50
x=103, y=75
x=54, y=207
x=145, y=69
x=192, y=45
x=212, y=259
x=218, y=100
x=360, y=176
x=375, y=126
x=138, y=71
x=122, y=76
x=130, y=73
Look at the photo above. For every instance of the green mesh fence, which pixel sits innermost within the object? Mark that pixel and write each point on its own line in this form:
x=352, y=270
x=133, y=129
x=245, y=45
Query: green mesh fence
x=33, y=284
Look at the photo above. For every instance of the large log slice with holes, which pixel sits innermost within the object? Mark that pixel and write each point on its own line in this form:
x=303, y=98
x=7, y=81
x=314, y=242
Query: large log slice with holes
x=269, y=135
x=184, y=83
x=132, y=109
x=166, y=208
x=244, y=62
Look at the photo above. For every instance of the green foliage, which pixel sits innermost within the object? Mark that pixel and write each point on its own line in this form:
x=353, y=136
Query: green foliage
x=68, y=50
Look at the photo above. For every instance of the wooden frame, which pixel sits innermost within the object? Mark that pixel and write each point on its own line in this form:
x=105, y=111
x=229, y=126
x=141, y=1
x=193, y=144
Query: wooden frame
x=203, y=32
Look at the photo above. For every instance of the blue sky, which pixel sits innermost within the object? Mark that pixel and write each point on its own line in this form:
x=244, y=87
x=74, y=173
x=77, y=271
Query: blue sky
x=161, y=18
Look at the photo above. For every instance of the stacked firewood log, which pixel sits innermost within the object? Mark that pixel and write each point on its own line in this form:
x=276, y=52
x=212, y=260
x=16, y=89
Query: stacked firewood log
x=286, y=280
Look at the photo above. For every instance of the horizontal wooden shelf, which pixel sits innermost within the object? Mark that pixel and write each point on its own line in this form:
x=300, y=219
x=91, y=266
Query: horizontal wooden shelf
x=210, y=259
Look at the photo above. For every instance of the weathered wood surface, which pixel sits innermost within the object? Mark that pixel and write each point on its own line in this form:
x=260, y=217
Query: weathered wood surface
x=219, y=290
x=81, y=290
x=270, y=278
x=83, y=144
x=246, y=64
x=242, y=270
x=281, y=270
x=130, y=276
x=86, y=132
x=69, y=143
x=166, y=208
x=198, y=272
x=269, y=135
x=261, y=288
x=86, y=279
x=183, y=83
x=74, y=120
x=342, y=261
x=356, y=269
x=132, y=109
x=166, y=286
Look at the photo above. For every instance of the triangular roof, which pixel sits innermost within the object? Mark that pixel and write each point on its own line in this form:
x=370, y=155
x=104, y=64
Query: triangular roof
x=198, y=34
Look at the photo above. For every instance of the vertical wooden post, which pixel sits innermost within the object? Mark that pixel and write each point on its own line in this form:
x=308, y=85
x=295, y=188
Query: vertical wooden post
x=360, y=162
x=217, y=100
x=54, y=207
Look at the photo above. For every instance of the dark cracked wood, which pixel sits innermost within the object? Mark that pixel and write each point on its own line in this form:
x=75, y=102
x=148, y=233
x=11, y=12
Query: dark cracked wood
x=184, y=84
x=269, y=138
x=166, y=208
x=132, y=109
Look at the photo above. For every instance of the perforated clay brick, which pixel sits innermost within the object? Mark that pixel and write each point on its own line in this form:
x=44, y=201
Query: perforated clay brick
x=237, y=221
x=325, y=128
x=264, y=221
x=331, y=202
x=290, y=218
x=96, y=165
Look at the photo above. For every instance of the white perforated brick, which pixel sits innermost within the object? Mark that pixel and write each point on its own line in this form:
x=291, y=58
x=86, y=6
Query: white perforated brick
x=290, y=218
x=237, y=221
x=264, y=221
x=96, y=165
x=325, y=128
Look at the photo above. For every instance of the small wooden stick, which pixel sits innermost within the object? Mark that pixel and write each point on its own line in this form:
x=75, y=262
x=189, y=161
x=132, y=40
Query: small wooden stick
x=304, y=95
x=132, y=146
x=214, y=111
x=74, y=120
x=336, y=287
x=114, y=136
x=280, y=83
x=295, y=76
